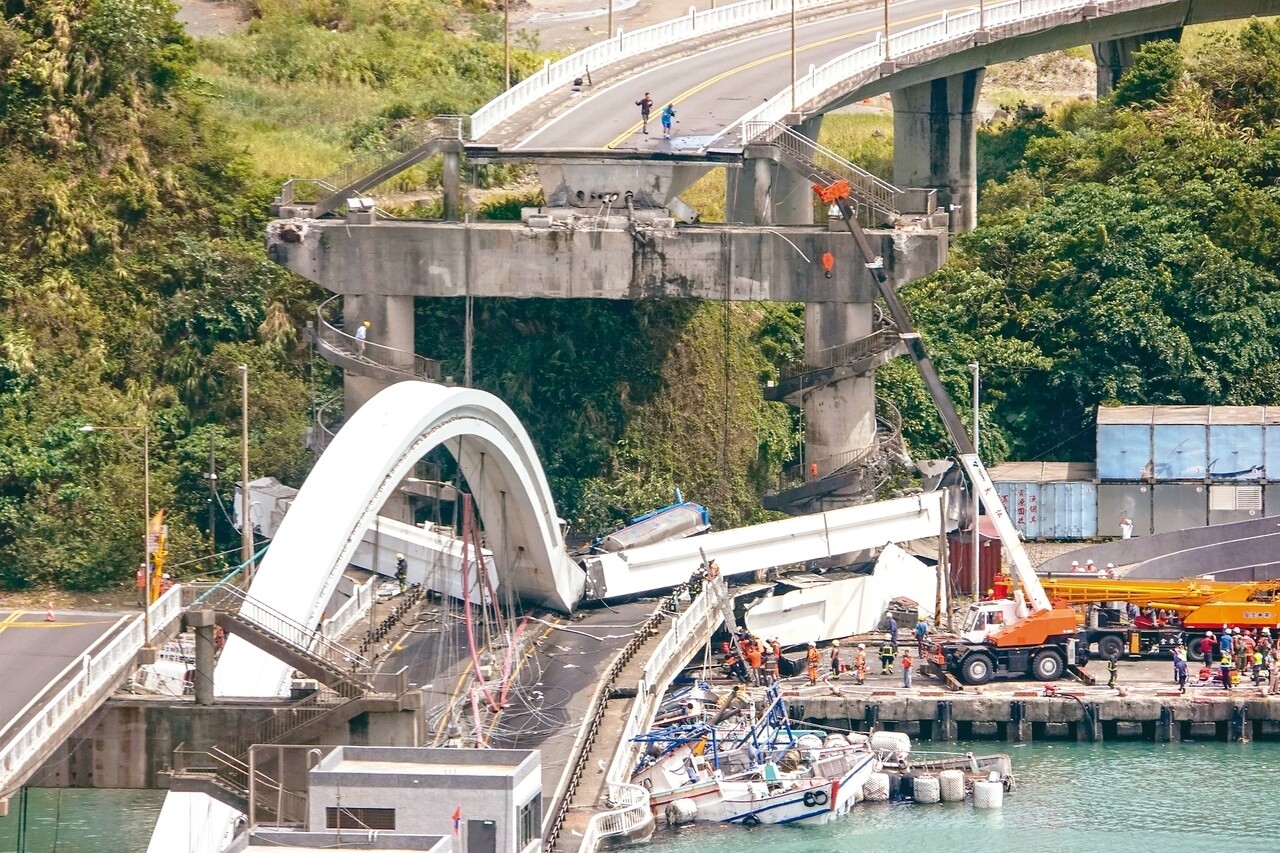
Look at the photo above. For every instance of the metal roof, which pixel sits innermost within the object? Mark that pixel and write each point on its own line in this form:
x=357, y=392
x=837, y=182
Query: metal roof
x=1043, y=472
x=1189, y=415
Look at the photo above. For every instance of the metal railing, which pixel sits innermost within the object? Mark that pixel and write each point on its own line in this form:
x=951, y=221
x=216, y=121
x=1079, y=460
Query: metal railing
x=623, y=45
x=321, y=436
x=888, y=437
x=876, y=193
x=876, y=342
x=407, y=140
x=80, y=683
x=233, y=774
x=398, y=360
x=307, y=639
x=863, y=63
x=631, y=803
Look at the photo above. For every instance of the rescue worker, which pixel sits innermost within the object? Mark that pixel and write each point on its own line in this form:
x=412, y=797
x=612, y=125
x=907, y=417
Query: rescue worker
x=922, y=636
x=835, y=660
x=401, y=570
x=770, y=665
x=1180, y=667
x=1113, y=668
x=1225, y=641
x=776, y=648
x=812, y=660
x=733, y=663
x=755, y=661
x=906, y=667
x=1273, y=671
x=860, y=664
x=1226, y=670
x=887, y=654
x=1206, y=648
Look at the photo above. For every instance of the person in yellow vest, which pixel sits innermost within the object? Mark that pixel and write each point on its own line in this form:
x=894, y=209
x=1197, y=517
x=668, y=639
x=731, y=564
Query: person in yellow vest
x=812, y=661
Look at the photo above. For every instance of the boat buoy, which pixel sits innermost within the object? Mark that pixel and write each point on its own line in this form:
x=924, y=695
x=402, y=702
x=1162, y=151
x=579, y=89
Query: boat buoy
x=951, y=786
x=897, y=742
x=876, y=789
x=988, y=795
x=683, y=810
x=927, y=789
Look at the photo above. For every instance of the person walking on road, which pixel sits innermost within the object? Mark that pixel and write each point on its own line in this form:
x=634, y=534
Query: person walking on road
x=668, y=116
x=646, y=107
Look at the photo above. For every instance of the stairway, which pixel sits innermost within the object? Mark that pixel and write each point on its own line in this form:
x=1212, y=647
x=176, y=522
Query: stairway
x=833, y=364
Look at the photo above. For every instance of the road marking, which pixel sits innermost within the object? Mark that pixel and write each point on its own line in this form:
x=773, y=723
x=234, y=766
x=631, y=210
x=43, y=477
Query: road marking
x=10, y=619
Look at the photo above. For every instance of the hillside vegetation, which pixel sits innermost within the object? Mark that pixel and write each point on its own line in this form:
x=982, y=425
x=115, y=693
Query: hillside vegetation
x=1127, y=254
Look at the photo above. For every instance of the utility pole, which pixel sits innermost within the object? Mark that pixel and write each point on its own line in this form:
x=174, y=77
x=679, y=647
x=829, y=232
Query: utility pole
x=212, y=477
x=246, y=524
x=977, y=593
x=793, y=55
x=468, y=339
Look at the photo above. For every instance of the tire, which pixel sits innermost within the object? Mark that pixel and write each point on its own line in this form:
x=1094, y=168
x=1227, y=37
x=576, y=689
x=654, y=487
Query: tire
x=820, y=798
x=751, y=821
x=809, y=800
x=1047, y=665
x=977, y=669
x=1109, y=643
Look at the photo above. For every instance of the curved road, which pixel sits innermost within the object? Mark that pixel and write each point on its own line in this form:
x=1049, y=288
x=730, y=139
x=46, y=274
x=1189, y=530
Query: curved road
x=33, y=652
x=716, y=86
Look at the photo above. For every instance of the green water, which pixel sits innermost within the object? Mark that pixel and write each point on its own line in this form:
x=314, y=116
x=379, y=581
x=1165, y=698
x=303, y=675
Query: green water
x=78, y=820
x=1071, y=798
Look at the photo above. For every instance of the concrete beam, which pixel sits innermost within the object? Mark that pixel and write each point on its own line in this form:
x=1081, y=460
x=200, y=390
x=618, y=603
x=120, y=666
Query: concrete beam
x=1115, y=57
x=405, y=259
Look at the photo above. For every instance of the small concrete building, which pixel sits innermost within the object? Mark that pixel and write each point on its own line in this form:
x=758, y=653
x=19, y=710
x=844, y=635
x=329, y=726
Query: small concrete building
x=416, y=791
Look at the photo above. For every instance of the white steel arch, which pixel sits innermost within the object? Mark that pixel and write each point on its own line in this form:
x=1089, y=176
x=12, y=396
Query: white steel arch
x=363, y=464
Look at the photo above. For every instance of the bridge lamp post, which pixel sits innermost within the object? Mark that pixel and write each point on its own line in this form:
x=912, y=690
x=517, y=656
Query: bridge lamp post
x=145, y=428
x=246, y=523
x=506, y=41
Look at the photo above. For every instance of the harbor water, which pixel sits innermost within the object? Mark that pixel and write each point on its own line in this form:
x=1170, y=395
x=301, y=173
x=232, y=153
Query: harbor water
x=1071, y=798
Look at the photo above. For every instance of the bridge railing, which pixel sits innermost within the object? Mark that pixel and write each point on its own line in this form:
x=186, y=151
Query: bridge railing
x=408, y=139
x=865, y=61
x=81, y=681
x=622, y=45
x=403, y=361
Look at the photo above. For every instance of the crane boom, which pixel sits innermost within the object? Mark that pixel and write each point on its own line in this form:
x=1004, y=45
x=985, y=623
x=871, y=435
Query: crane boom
x=838, y=194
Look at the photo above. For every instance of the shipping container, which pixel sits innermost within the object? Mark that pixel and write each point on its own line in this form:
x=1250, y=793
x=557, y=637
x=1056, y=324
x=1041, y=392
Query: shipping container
x=1117, y=500
x=1124, y=442
x=960, y=557
x=1236, y=445
x=1049, y=500
x=1177, y=506
x=1180, y=443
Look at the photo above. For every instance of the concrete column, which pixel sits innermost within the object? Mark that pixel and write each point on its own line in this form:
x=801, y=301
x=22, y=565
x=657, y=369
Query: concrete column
x=935, y=142
x=793, y=193
x=840, y=417
x=451, y=179
x=202, y=622
x=944, y=724
x=391, y=325
x=749, y=190
x=1116, y=56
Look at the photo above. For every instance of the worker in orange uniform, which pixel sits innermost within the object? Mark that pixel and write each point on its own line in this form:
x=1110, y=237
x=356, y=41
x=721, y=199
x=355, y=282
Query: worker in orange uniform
x=812, y=661
x=776, y=673
x=755, y=662
x=860, y=664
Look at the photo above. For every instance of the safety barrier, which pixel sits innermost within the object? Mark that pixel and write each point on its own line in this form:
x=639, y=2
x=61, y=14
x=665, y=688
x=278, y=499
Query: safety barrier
x=866, y=60
x=81, y=682
x=623, y=45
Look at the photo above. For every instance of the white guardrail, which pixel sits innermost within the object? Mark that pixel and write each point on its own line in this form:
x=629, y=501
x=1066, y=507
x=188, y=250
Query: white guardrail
x=623, y=45
x=868, y=58
x=83, y=679
x=631, y=802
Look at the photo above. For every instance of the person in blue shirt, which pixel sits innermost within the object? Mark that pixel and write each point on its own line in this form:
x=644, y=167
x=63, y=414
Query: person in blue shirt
x=922, y=634
x=668, y=116
x=1225, y=641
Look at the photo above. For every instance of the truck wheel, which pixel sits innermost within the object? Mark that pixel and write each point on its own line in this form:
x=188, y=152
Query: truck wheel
x=1110, y=644
x=977, y=669
x=1047, y=666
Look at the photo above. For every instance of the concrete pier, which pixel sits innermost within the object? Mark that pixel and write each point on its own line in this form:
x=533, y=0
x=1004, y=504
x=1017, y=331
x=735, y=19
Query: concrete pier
x=1115, y=57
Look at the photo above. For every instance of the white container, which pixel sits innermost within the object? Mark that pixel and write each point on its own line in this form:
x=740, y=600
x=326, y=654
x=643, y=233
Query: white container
x=683, y=810
x=951, y=786
x=988, y=795
x=876, y=789
x=927, y=789
x=891, y=742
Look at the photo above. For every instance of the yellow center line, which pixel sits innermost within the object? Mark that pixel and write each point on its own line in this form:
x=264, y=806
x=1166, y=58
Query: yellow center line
x=10, y=619
x=453, y=699
x=631, y=131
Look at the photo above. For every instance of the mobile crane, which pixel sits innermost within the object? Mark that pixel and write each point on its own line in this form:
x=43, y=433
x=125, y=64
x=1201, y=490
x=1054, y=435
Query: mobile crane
x=1011, y=637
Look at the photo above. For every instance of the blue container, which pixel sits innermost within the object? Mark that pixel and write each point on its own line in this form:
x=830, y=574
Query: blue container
x=1124, y=442
x=1022, y=502
x=1236, y=452
x=1180, y=451
x=1047, y=507
x=1271, y=451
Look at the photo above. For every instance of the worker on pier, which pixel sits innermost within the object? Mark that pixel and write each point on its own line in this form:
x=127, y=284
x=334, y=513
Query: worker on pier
x=755, y=662
x=1206, y=648
x=887, y=654
x=860, y=664
x=1113, y=668
x=1273, y=671
x=776, y=648
x=769, y=661
x=812, y=661
x=922, y=636
x=906, y=667
x=836, y=666
x=1225, y=641
x=1225, y=672
x=893, y=634
x=1180, y=667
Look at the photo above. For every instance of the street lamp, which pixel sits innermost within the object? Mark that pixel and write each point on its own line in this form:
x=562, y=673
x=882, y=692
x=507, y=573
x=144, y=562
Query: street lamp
x=145, y=428
x=973, y=368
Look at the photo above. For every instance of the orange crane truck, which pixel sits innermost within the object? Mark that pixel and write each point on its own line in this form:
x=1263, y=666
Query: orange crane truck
x=1025, y=635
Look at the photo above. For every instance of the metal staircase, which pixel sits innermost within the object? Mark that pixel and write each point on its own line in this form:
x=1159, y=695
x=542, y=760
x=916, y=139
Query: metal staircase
x=878, y=201
x=833, y=364
x=438, y=135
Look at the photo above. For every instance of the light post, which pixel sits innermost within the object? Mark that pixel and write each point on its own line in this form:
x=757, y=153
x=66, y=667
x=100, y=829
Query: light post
x=246, y=525
x=973, y=368
x=145, y=428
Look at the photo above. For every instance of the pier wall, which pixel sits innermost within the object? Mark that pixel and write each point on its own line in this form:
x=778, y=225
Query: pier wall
x=945, y=717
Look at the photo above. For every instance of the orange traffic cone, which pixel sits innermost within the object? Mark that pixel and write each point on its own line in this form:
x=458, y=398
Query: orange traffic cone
x=48, y=612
